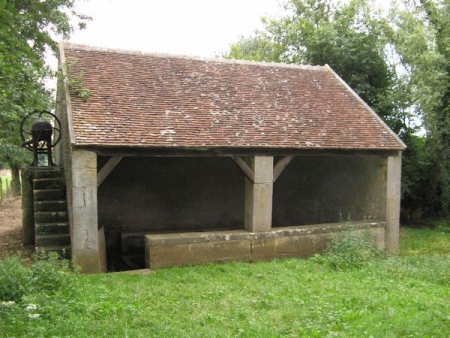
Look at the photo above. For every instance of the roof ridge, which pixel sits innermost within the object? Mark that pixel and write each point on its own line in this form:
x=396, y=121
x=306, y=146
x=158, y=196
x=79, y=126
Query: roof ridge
x=70, y=45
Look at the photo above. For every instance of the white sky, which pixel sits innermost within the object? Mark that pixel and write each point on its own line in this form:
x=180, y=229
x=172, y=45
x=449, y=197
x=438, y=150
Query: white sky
x=186, y=27
x=204, y=28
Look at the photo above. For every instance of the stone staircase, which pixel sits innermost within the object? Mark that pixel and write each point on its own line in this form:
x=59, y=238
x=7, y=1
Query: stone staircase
x=51, y=223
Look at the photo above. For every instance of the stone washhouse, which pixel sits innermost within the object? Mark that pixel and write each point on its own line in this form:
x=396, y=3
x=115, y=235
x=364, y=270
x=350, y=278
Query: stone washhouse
x=175, y=160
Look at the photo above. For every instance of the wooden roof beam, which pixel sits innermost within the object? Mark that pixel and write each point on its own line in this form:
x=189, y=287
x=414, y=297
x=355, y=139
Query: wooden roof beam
x=244, y=167
x=280, y=166
x=107, y=168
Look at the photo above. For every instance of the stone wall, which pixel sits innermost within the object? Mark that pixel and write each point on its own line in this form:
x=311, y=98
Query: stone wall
x=319, y=189
x=163, y=250
x=170, y=194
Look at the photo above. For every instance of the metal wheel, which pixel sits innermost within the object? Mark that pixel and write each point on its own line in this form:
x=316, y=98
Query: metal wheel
x=26, y=125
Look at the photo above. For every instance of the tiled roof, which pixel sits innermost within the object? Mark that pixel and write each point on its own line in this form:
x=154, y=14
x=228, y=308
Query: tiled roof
x=162, y=101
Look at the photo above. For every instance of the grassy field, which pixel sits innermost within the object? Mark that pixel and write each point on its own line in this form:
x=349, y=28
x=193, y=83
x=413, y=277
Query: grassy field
x=403, y=296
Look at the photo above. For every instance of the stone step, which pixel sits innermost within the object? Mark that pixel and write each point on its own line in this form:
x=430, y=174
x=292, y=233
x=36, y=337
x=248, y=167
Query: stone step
x=63, y=251
x=52, y=228
x=45, y=241
x=50, y=206
x=48, y=183
x=50, y=216
x=49, y=195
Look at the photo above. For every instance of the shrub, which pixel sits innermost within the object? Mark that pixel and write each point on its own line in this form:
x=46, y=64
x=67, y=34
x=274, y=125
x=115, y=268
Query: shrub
x=350, y=248
x=48, y=274
x=51, y=273
x=15, y=279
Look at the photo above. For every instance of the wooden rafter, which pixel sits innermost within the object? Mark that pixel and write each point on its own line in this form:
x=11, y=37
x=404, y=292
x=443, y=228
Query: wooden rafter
x=280, y=166
x=244, y=167
x=107, y=168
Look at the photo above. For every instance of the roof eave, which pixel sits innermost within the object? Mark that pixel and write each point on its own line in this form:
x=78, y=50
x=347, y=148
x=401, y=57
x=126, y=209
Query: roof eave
x=65, y=87
x=124, y=150
x=402, y=145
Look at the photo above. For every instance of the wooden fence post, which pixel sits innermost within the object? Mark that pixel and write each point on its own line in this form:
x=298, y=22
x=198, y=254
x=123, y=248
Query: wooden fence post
x=7, y=187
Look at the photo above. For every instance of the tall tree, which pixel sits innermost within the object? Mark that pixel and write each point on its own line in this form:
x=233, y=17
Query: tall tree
x=394, y=64
x=422, y=40
x=438, y=120
x=28, y=29
x=350, y=37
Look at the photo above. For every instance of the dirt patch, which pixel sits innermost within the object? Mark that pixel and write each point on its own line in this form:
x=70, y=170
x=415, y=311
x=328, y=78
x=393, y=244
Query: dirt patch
x=11, y=229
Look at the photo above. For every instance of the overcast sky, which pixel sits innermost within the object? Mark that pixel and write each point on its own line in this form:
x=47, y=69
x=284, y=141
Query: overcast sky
x=187, y=27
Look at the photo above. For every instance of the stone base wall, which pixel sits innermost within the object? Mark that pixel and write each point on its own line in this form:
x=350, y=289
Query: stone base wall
x=176, y=249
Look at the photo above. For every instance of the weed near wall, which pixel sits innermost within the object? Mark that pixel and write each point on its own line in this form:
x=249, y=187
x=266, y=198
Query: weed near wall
x=15, y=279
x=350, y=248
x=47, y=275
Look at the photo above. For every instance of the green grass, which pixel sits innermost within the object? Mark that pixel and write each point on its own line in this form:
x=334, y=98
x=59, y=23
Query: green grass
x=403, y=296
x=434, y=239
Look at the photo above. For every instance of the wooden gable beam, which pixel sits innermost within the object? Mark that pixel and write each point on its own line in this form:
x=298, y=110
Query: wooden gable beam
x=280, y=166
x=277, y=169
x=107, y=168
x=244, y=167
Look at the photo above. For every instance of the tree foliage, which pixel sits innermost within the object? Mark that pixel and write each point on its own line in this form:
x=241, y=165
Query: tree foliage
x=28, y=30
x=422, y=41
x=398, y=62
x=350, y=38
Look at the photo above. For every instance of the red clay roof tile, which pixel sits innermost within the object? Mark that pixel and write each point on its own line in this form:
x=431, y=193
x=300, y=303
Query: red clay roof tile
x=148, y=100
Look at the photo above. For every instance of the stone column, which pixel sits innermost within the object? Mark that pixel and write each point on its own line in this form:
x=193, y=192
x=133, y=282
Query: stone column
x=28, y=236
x=258, y=194
x=393, y=195
x=83, y=210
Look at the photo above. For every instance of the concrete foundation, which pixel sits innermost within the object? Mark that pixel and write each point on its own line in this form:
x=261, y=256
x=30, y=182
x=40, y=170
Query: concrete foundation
x=175, y=249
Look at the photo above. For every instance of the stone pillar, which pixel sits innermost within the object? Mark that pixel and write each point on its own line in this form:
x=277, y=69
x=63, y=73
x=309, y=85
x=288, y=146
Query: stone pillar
x=28, y=236
x=258, y=194
x=393, y=195
x=83, y=210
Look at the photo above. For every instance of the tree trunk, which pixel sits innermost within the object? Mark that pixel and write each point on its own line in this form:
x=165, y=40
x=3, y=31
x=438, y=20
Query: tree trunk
x=15, y=181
